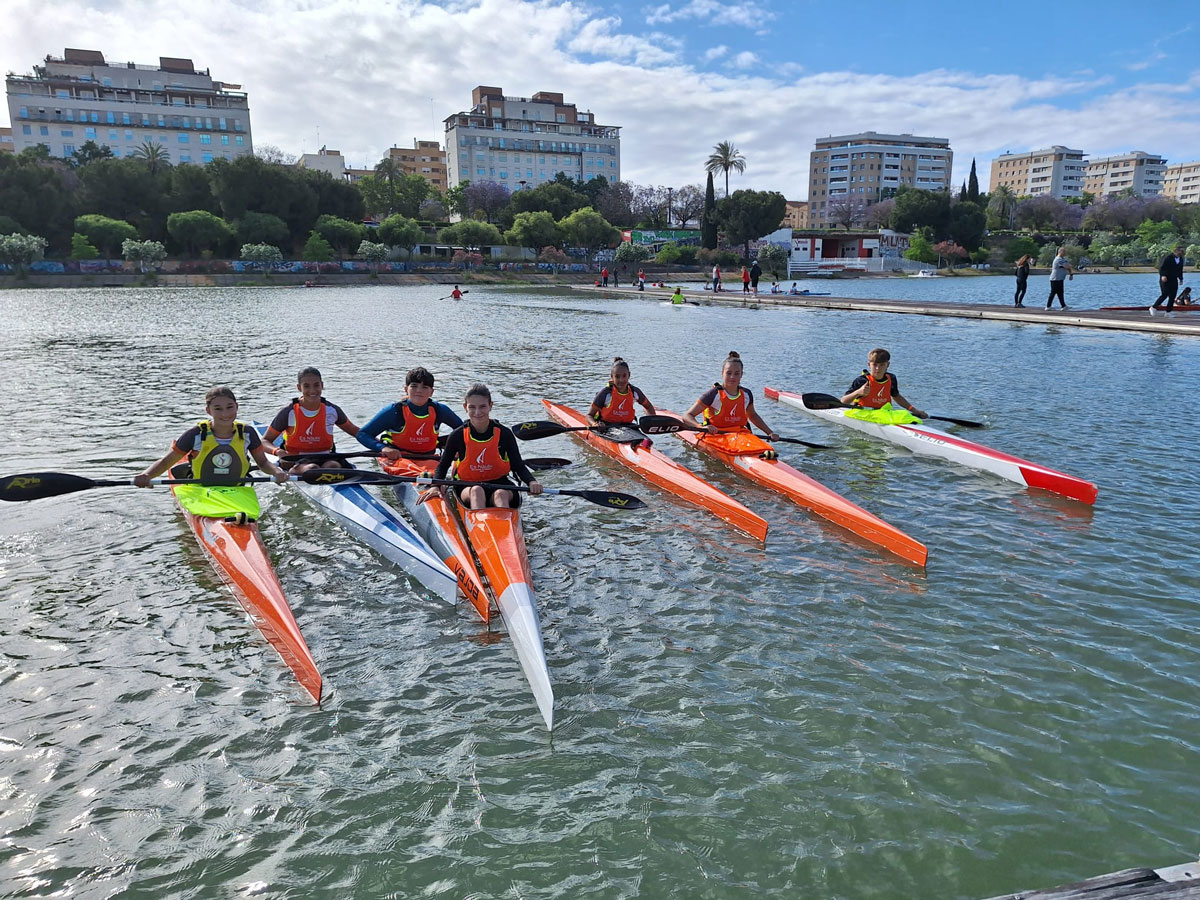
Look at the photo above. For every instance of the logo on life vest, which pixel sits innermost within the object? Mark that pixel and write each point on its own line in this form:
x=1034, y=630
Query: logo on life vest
x=222, y=462
x=480, y=464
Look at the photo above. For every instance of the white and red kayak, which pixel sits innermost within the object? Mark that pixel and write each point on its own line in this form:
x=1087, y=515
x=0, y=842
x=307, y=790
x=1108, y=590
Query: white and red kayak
x=930, y=441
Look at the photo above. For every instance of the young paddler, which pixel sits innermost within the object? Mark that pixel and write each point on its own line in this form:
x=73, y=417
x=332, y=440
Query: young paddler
x=307, y=424
x=727, y=406
x=218, y=452
x=876, y=388
x=614, y=405
x=482, y=451
x=409, y=427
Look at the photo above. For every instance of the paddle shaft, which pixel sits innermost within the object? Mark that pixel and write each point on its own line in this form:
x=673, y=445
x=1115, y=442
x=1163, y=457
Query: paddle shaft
x=828, y=401
x=40, y=485
x=668, y=425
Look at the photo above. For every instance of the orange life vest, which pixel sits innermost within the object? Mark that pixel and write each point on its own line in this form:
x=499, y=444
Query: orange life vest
x=619, y=409
x=878, y=392
x=419, y=434
x=483, y=460
x=310, y=434
x=727, y=413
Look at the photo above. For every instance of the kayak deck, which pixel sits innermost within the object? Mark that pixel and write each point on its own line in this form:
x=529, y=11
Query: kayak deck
x=659, y=469
x=237, y=554
x=929, y=441
x=813, y=495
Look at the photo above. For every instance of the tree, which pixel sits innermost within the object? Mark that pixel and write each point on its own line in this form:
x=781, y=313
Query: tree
x=317, y=249
x=261, y=228
x=1040, y=213
x=773, y=258
x=342, y=234
x=533, y=230
x=588, y=229
x=669, y=255
x=555, y=198
x=403, y=194
x=951, y=251
x=89, y=152
x=689, y=204
x=455, y=199
x=708, y=219
x=263, y=254
x=916, y=208
x=846, y=211
x=879, y=215
x=1020, y=246
x=81, y=248
x=389, y=170
x=19, y=250
x=967, y=224
x=105, y=233
x=155, y=156
x=554, y=257
x=1000, y=208
x=334, y=196
x=724, y=157
x=920, y=249
x=471, y=234
x=274, y=156
x=616, y=203
x=748, y=215
x=631, y=254
x=247, y=184
x=41, y=194
x=198, y=229
x=487, y=197
x=973, y=184
x=143, y=252
x=399, y=231
x=373, y=253
x=185, y=187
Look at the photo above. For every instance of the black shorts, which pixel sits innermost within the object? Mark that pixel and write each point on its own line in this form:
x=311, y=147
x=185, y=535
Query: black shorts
x=490, y=492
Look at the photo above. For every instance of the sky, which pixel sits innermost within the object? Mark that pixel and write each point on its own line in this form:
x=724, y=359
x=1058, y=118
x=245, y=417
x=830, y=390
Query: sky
x=677, y=76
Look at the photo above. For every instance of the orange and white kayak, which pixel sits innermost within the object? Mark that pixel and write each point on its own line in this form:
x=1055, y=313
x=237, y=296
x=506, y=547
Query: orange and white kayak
x=237, y=554
x=659, y=469
x=741, y=451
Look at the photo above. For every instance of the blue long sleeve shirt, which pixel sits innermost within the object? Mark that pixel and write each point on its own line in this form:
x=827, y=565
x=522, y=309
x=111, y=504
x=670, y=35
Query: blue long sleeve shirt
x=391, y=418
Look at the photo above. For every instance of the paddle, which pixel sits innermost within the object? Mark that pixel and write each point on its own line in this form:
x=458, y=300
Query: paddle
x=448, y=296
x=668, y=425
x=531, y=431
x=827, y=401
x=611, y=499
x=38, y=485
x=539, y=462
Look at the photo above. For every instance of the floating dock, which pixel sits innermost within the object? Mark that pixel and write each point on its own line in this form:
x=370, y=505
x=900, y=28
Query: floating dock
x=1170, y=883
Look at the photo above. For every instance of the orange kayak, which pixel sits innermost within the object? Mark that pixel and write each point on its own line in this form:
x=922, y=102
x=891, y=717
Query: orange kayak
x=659, y=469
x=741, y=451
x=237, y=554
x=439, y=527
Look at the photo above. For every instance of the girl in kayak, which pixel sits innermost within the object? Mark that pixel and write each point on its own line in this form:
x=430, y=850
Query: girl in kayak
x=307, y=425
x=614, y=404
x=218, y=450
x=409, y=427
x=876, y=387
x=483, y=451
x=727, y=406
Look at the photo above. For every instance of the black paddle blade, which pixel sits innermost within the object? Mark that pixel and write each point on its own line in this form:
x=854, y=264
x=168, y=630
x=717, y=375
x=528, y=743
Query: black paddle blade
x=37, y=485
x=966, y=423
x=810, y=444
x=531, y=431
x=548, y=462
x=822, y=401
x=347, y=476
x=611, y=499
x=662, y=425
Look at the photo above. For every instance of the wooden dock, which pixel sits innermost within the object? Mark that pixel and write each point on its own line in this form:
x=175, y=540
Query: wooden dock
x=1170, y=883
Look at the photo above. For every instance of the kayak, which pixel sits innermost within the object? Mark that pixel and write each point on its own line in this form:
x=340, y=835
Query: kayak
x=740, y=451
x=928, y=441
x=381, y=528
x=659, y=469
x=237, y=554
x=1191, y=307
x=440, y=528
x=498, y=542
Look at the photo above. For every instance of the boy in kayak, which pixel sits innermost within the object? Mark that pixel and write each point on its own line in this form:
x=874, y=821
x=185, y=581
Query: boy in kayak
x=614, y=404
x=677, y=297
x=483, y=451
x=307, y=424
x=409, y=427
x=876, y=387
x=218, y=451
x=727, y=406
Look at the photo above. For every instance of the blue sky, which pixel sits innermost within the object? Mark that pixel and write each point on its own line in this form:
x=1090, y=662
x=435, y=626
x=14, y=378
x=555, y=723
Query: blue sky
x=677, y=76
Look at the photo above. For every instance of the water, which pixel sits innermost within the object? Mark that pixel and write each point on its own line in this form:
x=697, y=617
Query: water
x=808, y=718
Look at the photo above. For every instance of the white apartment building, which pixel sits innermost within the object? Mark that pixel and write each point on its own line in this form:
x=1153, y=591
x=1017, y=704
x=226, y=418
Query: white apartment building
x=324, y=160
x=80, y=97
x=1057, y=171
x=1182, y=182
x=862, y=169
x=1138, y=171
x=521, y=142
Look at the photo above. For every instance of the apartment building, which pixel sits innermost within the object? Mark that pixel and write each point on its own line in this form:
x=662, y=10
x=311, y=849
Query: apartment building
x=6, y=140
x=324, y=160
x=1136, y=171
x=80, y=97
x=862, y=169
x=1057, y=171
x=522, y=142
x=427, y=159
x=796, y=214
x=1181, y=182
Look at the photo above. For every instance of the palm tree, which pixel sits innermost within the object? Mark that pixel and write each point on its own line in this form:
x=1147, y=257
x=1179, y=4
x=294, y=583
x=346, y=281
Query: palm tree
x=724, y=157
x=1003, y=204
x=155, y=155
x=388, y=170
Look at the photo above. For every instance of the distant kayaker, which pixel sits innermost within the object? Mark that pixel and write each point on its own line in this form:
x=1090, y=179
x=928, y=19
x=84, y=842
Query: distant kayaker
x=409, y=427
x=677, y=297
x=727, y=406
x=218, y=451
x=456, y=294
x=493, y=454
x=307, y=424
x=877, y=387
x=614, y=405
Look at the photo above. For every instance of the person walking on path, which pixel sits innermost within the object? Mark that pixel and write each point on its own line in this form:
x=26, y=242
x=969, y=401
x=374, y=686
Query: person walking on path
x=1170, y=273
x=1060, y=271
x=755, y=274
x=745, y=280
x=641, y=279
x=1022, y=279
x=716, y=277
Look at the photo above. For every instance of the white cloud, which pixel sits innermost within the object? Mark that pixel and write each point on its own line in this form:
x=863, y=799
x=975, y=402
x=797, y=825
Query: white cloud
x=366, y=73
x=711, y=12
x=746, y=60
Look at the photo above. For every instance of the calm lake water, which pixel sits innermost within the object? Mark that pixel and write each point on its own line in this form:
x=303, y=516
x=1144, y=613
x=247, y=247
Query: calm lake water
x=808, y=718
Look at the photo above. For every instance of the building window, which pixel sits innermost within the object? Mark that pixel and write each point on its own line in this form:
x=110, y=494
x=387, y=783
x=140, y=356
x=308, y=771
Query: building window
x=44, y=130
x=206, y=138
x=128, y=135
x=112, y=134
x=68, y=149
x=67, y=132
x=207, y=157
x=24, y=112
x=89, y=134
x=225, y=140
x=185, y=157
x=26, y=129
x=240, y=141
x=183, y=138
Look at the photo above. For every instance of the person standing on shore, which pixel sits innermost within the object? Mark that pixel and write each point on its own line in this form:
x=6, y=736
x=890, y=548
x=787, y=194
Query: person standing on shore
x=641, y=279
x=755, y=274
x=1060, y=272
x=604, y=276
x=1022, y=279
x=1170, y=273
x=745, y=280
x=716, y=277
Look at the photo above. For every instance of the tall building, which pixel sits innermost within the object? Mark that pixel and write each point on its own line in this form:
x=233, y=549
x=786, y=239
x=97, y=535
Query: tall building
x=1182, y=182
x=6, y=140
x=521, y=142
x=1056, y=171
x=1138, y=171
x=324, y=160
x=81, y=97
x=862, y=169
x=427, y=159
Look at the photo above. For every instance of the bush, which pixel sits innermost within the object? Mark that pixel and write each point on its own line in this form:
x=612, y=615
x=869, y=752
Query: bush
x=81, y=248
x=1021, y=246
x=669, y=255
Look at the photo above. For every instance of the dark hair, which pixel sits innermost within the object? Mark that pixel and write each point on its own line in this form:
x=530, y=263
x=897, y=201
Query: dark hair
x=478, y=389
x=219, y=391
x=308, y=371
x=419, y=375
x=879, y=355
x=617, y=363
